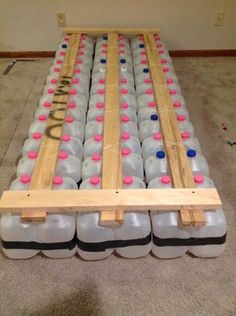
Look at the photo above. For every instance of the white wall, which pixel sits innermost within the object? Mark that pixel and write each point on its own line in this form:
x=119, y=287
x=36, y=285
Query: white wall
x=185, y=24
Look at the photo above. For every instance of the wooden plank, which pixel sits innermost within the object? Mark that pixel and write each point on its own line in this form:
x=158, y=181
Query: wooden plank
x=100, y=31
x=47, y=157
x=178, y=161
x=90, y=200
x=111, y=157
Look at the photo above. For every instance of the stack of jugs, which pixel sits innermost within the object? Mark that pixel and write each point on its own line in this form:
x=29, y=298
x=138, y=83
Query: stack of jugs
x=171, y=240
x=132, y=239
x=55, y=237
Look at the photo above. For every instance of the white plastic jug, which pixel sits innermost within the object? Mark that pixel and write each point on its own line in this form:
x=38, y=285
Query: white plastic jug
x=132, y=163
x=148, y=127
x=151, y=145
x=92, y=166
x=156, y=166
x=93, y=145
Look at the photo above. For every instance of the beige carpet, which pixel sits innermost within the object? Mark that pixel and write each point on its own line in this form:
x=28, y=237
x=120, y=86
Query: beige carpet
x=148, y=286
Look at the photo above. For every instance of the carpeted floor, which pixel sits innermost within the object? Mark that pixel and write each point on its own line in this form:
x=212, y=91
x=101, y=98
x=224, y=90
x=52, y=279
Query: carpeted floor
x=148, y=286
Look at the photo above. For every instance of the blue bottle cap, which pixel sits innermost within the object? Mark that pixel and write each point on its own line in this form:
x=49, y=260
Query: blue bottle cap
x=123, y=61
x=154, y=117
x=141, y=45
x=191, y=153
x=146, y=70
x=64, y=46
x=103, y=61
x=160, y=154
x=105, y=37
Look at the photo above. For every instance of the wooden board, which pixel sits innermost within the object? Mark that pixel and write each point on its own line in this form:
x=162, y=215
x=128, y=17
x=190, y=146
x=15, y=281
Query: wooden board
x=47, y=157
x=90, y=200
x=176, y=153
x=111, y=157
x=100, y=31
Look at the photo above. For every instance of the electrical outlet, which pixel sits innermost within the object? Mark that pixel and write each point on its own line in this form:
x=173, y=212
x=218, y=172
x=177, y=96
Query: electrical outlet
x=61, y=19
x=219, y=18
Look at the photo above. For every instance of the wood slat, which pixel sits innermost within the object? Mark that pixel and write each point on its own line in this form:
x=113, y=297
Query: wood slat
x=176, y=153
x=47, y=157
x=90, y=200
x=111, y=161
x=100, y=31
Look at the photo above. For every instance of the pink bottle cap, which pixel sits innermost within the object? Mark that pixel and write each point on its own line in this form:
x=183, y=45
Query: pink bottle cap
x=72, y=92
x=62, y=53
x=199, y=179
x=56, y=69
x=172, y=92
x=37, y=135
x=63, y=155
x=124, y=118
x=161, y=51
x=59, y=61
x=57, y=180
x=81, y=52
x=78, y=61
x=121, y=37
x=124, y=105
x=125, y=136
x=177, y=104
x=149, y=91
x=159, y=45
x=157, y=136
x=47, y=104
x=51, y=91
x=125, y=151
x=169, y=81
x=84, y=36
x=104, y=45
x=166, y=69
x=165, y=180
x=124, y=91
x=121, y=45
x=25, y=179
x=96, y=157
x=66, y=138
x=32, y=154
x=121, y=51
x=54, y=81
x=42, y=117
x=185, y=135
x=77, y=71
x=69, y=119
x=100, y=105
x=101, y=81
x=99, y=118
x=180, y=118
x=81, y=45
x=101, y=91
x=128, y=180
x=151, y=104
x=163, y=61
x=97, y=137
x=66, y=38
x=71, y=105
x=104, y=51
x=95, y=180
x=75, y=80
x=147, y=80
x=143, y=53
x=143, y=62
x=124, y=81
